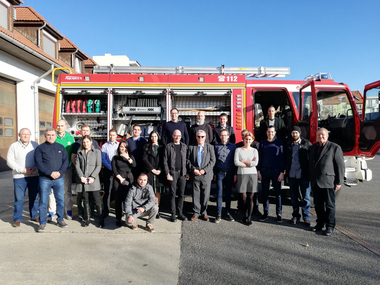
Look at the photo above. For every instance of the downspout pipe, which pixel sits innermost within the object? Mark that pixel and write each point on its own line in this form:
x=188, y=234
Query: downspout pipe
x=39, y=34
x=36, y=103
x=73, y=59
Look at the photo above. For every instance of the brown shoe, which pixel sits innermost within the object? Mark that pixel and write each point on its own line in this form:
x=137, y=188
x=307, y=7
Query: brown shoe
x=135, y=226
x=150, y=228
x=36, y=219
x=194, y=218
x=206, y=218
x=16, y=224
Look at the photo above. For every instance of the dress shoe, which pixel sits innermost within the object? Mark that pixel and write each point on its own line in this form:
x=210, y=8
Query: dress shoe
x=173, y=218
x=16, y=224
x=182, y=217
x=205, y=218
x=36, y=219
x=135, y=226
x=194, y=218
x=307, y=223
x=317, y=228
x=328, y=232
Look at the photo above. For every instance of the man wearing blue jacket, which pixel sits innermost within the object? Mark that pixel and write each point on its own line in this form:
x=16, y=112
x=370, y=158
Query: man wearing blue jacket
x=51, y=161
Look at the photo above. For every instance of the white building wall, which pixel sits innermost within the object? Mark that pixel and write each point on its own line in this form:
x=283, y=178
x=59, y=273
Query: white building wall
x=24, y=74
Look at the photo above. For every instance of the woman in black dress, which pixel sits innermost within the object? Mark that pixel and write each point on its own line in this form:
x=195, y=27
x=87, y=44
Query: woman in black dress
x=152, y=160
x=122, y=164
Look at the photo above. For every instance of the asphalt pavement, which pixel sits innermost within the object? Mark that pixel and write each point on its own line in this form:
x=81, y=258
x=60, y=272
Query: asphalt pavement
x=197, y=252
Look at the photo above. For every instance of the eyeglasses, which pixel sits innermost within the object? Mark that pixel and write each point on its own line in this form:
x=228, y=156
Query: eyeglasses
x=201, y=137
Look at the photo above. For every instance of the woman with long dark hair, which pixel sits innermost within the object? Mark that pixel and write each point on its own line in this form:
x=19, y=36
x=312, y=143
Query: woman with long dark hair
x=122, y=164
x=152, y=160
x=88, y=164
x=246, y=159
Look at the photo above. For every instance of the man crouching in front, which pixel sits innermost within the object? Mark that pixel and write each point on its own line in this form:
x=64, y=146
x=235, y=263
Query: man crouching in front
x=141, y=202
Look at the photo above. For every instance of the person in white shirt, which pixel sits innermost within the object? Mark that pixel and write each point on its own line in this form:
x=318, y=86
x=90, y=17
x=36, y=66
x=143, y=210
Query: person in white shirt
x=20, y=159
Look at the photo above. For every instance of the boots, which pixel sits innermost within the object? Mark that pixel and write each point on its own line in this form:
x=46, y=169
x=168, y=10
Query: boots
x=101, y=217
x=87, y=213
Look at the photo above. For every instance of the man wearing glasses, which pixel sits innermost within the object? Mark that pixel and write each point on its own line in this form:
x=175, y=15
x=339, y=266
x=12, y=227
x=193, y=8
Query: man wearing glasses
x=200, y=164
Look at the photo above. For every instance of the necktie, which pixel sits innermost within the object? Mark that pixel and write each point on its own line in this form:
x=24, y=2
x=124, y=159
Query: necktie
x=199, y=156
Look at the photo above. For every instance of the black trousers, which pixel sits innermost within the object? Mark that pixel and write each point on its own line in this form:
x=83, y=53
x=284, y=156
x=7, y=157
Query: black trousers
x=177, y=186
x=107, y=198
x=324, y=201
x=121, y=192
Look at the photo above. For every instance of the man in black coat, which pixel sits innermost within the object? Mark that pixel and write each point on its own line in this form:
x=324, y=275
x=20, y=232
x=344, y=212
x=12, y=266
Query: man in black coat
x=278, y=124
x=223, y=119
x=326, y=168
x=175, y=171
x=297, y=170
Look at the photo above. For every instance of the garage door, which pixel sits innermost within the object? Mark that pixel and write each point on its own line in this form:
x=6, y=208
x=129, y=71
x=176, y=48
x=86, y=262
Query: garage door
x=8, y=123
x=46, y=110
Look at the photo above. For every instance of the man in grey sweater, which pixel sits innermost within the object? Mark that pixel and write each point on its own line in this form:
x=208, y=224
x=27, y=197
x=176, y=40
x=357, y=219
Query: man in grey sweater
x=140, y=202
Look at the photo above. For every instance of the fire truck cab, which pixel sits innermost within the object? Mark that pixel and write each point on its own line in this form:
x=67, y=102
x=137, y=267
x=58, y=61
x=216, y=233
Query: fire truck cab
x=119, y=97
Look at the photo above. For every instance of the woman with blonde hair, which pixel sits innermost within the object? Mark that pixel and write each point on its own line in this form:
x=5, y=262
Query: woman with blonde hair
x=246, y=159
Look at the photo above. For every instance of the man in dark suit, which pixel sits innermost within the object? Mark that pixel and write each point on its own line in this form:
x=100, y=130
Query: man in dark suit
x=223, y=119
x=200, y=164
x=326, y=168
x=278, y=124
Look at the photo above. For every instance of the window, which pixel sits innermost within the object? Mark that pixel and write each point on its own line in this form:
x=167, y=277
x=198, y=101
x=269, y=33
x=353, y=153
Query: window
x=49, y=43
x=8, y=122
x=4, y=14
x=8, y=132
x=332, y=105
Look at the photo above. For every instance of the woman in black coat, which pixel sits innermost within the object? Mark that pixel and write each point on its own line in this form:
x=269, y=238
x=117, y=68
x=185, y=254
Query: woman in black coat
x=122, y=164
x=153, y=160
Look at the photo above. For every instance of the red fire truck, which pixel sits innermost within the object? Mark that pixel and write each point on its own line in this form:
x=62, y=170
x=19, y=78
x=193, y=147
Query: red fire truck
x=119, y=97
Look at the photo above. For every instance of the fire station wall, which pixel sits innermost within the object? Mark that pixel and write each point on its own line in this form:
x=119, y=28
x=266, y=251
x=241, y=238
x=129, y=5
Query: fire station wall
x=8, y=122
x=23, y=74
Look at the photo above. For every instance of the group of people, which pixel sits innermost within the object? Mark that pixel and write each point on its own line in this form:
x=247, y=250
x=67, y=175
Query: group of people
x=136, y=172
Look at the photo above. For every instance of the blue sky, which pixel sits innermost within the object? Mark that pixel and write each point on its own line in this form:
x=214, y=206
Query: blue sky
x=335, y=36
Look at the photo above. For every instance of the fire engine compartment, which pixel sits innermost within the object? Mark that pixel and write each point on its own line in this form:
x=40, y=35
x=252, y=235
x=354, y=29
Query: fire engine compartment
x=85, y=106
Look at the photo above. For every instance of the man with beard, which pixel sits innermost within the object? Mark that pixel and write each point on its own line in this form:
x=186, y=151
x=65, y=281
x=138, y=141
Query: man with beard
x=200, y=125
x=297, y=170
